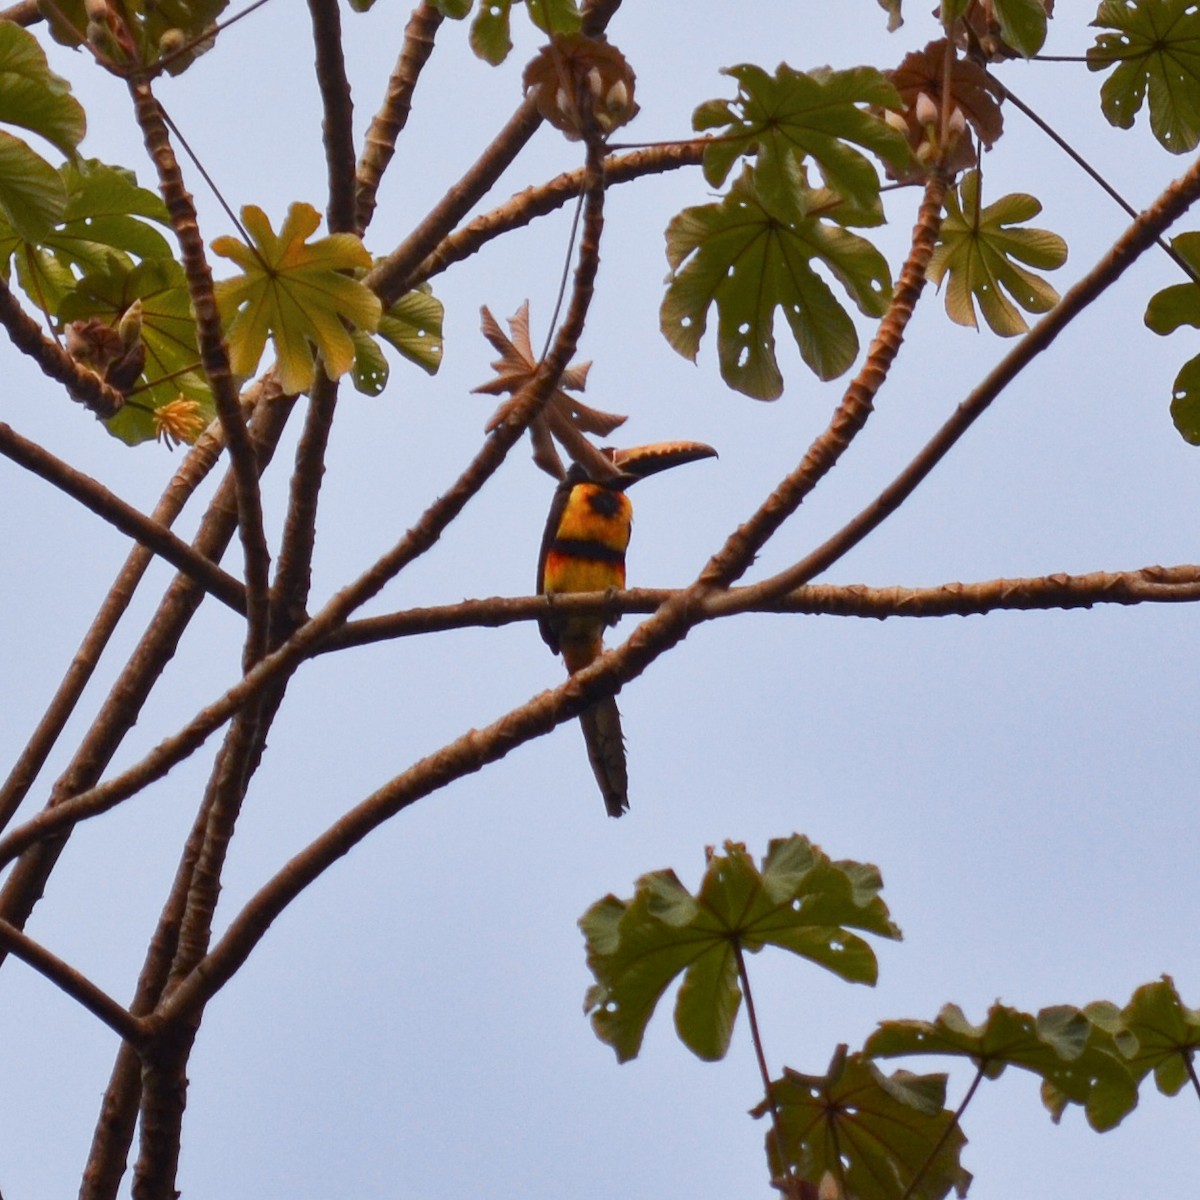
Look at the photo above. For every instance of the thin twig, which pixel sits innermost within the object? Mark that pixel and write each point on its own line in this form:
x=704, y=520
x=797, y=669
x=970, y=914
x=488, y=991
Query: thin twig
x=130, y=521
x=74, y=983
x=380, y=142
x=1092, y=173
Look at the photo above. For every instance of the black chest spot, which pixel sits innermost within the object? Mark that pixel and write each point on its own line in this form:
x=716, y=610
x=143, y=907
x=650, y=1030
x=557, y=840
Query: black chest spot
x=604, y=503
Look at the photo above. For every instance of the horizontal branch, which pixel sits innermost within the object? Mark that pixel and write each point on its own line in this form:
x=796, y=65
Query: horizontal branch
x=130, y=521
x=1156, y=585
x=98, y=1002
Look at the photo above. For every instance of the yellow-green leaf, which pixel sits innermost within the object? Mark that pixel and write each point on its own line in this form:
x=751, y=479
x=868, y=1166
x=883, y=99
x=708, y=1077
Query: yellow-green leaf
x=981, y=251
x=295, y=292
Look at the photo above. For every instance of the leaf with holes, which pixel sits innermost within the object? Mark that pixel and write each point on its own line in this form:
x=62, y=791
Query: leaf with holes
x=168, y=331
x=295, y=292
x=750, y=259
x=491, y=38
x=1077, y=1063
x=413, y=325
x=790, y=116
x=982, y=252
x=799, y=901
x=880, y=1137
x=106, y=213
x=1153, y=49
x=1168, y=309
x=1155, y=1032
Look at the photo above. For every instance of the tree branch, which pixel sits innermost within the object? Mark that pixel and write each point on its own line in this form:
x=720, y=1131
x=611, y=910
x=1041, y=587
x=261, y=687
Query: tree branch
x=1162, y=585
x=76, y=985
x=129, y=693
x=214, y=355
x=520, y=411
x=338, y=123
x=192, y=471
x=380, y=142
x=1174, y=201
x=130, y=521
x=533, y=202
x=82, y=385
x=739, y=551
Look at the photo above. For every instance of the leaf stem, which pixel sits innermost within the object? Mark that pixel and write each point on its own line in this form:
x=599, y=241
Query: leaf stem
x=761, y=1057
x=950, y=1128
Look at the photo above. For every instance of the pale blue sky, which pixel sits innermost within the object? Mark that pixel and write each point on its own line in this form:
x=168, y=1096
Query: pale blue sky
x=412, y=1028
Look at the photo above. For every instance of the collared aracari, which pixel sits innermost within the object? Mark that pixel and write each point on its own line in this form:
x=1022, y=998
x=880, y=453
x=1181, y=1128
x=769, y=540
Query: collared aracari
x=583, y=550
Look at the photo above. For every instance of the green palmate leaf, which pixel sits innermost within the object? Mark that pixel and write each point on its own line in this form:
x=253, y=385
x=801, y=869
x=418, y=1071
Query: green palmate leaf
x=793, y=115
x=147, y=29
x=413, y=325
x=1022, y=24
x=1174, y=306
x=1060, y=1045
x=454, y=9
x=1155, y=46
x=749, y=258
x=294, y=291
x=1185, y=401
x=981, y=251
x=32, y=197
x=799, y=901
x=555, y=16
x=491, y=38
x=1155, y=1032
x=879, y=1137
x=105, y=212
x=1178, y=304
x=168, y=333
x=32, y=97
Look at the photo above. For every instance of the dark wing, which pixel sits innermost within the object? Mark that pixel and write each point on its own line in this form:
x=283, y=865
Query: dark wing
x=546, y=627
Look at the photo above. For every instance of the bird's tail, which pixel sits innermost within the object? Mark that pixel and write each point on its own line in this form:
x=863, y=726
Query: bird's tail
x=602, y=732
x=606, y=752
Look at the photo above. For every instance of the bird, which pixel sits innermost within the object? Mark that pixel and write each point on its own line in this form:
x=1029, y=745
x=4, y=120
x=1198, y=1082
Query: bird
x=583, y=550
